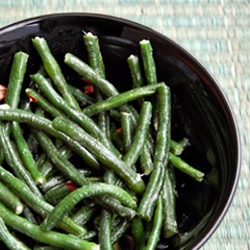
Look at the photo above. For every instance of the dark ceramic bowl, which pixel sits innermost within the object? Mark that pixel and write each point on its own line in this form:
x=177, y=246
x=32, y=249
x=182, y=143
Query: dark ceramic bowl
x=200, y=111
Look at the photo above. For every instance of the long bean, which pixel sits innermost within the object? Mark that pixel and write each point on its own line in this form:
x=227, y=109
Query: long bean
x=185, y=167
x=120, y=99
x=154, y=235
x=85, y=122
x=10, y=200
x=9, y=240
x=25, y=154
x=14, y=161
x=44, y=124
x=153, y=188
x=104, y=235
x=52, y=238
x=79, y=194
x=103, y=154
x=53, y=69
x=37, y=204
x=141, y=133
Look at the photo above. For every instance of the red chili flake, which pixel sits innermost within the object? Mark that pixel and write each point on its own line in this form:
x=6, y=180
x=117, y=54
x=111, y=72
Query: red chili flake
x=32, y=98
x=88, y=89
x=119, y=130
x=71, y=186
x=3, y=91
x=86, y=81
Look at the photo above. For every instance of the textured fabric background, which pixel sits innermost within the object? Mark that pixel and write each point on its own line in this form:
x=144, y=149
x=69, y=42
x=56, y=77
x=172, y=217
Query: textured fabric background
x=218, y=33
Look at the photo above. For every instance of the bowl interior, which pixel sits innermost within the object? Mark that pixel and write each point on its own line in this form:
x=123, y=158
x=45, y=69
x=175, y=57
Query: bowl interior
x=200, y=110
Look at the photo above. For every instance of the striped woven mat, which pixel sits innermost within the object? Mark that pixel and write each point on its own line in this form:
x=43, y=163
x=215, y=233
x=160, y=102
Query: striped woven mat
x=218, y=33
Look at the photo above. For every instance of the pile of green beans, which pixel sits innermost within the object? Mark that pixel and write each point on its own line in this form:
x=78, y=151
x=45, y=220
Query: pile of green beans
x=88, y=171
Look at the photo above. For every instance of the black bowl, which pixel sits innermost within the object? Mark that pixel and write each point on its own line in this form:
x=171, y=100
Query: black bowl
x=200, y=111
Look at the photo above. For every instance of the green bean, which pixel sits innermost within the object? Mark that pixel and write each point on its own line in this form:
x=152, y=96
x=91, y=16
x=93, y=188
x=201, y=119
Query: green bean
x=53, y=69
x=84, y=121
x=47, y=167
x=169, y=206
x=16, y=78
x=61, y=164
x=80, y=96
x=146, y=162
x=134, y=66
x=154, y=235
x=57, y=193
x=90, y=235
x=29, y=215
x=86, y=71
x=69, y=170
x=94, y=54
x=13, y=160
x=10, y=200
x=84, y=214
x=52, y=182
x=178, y=147
x=119, y=230
x=148, y=61
x=79, y=194
x=104, y=155
x=44, y=124
x=9, y=240
x=42, y=102
x=52, y=238
x=34, y=202
x=141, y=133
x=120, y=99
x=126, y=129
x=104, y=234
x=186, y=168
x=137, y=230
x=153, y=188
x=25, y=154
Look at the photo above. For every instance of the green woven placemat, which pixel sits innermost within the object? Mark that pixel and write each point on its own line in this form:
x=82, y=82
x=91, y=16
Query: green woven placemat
x=218, y=33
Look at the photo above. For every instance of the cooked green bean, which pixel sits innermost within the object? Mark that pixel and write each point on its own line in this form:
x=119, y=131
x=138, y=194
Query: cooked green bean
x=84, y=121
x=137, y=230
x=120, y=99
x=10, y=200
x=61, y=164
x=53, y=69
x=84, y=214
x=80, y=96
x=79, y=194
x=94, y=53
x=104, y=235
x=148, y=61
x=141, y=133
x=185, y=167
x=30, y=215
x=13, y=160
x=37, y=204
x=162, y=145
x=169, y=206
x=154, y=235
x=126, y=129
x=25, y=154
x=52, y=238
x=86, y=71
x=42, y=102
x=44, y=124
x=103, y=154
x=134, y=66
x=16, y=78
x=9, y=240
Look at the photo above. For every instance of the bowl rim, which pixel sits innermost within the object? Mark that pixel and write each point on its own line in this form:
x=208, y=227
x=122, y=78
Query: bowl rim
x=203, y=238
